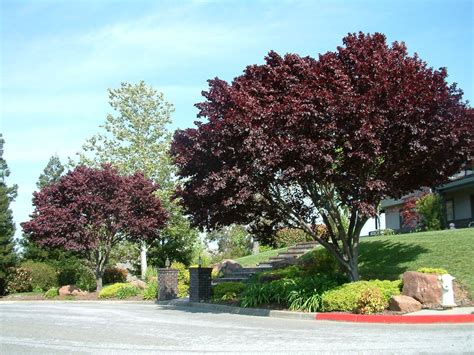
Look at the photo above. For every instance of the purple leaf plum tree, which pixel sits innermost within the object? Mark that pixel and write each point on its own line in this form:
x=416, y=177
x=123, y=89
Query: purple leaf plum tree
x=92, y=210
x=300, y=139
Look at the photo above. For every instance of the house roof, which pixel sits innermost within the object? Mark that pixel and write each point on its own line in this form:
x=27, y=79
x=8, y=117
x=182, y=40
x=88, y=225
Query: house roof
x=465, y=181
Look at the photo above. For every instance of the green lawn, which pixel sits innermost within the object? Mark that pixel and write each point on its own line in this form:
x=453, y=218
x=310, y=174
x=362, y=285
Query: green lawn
x=389, y=257
x=252, y=260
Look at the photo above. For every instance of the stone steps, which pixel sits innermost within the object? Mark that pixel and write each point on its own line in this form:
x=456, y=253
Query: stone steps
x=283, y=259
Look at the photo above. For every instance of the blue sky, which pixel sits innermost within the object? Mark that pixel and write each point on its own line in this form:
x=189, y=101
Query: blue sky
x=59, y=57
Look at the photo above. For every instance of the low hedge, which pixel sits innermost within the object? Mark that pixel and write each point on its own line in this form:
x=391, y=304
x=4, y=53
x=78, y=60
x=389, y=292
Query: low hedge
x=119, y=290
x=227, y=291
x=348, y=297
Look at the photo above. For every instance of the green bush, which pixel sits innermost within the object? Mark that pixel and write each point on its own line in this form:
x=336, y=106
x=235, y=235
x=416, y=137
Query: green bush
x=43, y=276
x=346, y=297
x=19, y=280
x=52, y=292
x=296, y=293
x=85, y=279
x=433, y=270
x=67, y=275
x=430, y=208
x=183, y=279
x=227, y=291
x=387, y=231
x=290, y=236
x=119, y=290
x=320, y=261
x=371, y=301
x=114, y=275
x=127, y=291
x=288, y=272
x=151, y=274
x=151, y=291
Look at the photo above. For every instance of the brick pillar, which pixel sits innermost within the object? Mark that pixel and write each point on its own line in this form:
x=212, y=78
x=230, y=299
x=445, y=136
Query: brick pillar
x=199, y=283
x=167, y=284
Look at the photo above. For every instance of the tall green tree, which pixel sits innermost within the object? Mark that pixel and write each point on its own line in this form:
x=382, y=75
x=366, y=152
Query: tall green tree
x=135, y=138
x=51, y=173
x=7, y=227
x=29, y=249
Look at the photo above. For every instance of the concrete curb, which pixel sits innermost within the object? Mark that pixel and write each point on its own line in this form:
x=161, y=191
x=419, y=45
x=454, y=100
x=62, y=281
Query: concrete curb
x=341, y=317
x=396, y=319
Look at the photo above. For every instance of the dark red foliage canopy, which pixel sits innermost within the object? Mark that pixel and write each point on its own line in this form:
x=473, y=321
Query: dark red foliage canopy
x=88, y=208
x=366, y=122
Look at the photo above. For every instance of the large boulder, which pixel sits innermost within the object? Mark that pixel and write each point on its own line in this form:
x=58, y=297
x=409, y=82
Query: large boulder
x=425, y=288
x=71, y=290
x=404, y=304
x=226, y=266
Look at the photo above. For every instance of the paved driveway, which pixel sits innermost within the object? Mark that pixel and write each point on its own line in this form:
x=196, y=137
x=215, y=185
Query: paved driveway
x=111, y=328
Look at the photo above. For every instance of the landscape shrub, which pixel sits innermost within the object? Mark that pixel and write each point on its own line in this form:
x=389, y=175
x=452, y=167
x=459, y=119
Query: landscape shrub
x=320, y=261
x=127, y=291
x=290, y=236
x=296, y=293
x=85, y=279
x=67, y=275
x=346, y=297
x=371, y=301
x=289, y=272
x=52, y=292
x=119, y=290
x=227, y=291
x=19, y=280
x=433, y=270
x=151, y=274
x=43, y=276
x=183, y=278
x=430, y=208
x=114, y=275
x=387, y=231
x=151, y=291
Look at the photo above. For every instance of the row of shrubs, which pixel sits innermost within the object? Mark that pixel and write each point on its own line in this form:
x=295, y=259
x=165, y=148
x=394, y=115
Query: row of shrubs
x=41, y=276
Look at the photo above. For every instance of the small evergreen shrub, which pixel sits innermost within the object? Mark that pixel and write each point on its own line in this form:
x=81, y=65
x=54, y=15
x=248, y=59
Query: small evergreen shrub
x=119, y=290
x=114, y=275
x=346, y=297
x=43, y=276
x=371, y=300
x=433, y=270
x=320, y=261
x=19, y=280
x=151, y=291
x=85, y=279
x=183, y=279
x=52, y=292
x=227, y=291
x=430, y=208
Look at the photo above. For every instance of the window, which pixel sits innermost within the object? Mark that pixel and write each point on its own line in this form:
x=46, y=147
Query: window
x=449, y=210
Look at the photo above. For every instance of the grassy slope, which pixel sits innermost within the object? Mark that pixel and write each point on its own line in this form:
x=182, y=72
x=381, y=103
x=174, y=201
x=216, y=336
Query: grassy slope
x=251, y=260
x=389, y=257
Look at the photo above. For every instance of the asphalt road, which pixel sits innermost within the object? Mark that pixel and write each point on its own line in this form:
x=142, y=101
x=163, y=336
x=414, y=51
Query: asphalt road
x=111, y=328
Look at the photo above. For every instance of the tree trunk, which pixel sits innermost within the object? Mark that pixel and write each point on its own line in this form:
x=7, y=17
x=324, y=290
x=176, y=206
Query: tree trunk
x=353, y=271
x=143, y=261
x=98, y=279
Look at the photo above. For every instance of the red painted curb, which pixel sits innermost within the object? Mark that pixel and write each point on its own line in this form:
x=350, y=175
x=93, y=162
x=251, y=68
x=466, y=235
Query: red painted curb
x=391, y=318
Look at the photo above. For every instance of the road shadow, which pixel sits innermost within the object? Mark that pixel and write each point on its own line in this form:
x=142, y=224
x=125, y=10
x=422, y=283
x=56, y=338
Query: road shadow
x=386, y=259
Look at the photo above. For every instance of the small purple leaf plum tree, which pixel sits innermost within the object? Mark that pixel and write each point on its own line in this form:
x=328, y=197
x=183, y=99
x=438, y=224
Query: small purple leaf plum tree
x=299, y=139
x=92, y=210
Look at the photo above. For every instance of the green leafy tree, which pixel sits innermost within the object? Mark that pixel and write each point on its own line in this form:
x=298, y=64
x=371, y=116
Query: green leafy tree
x=31, y=250
x=7, y=227
x=136, y=139
x=430, y=208
x=232, y=241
